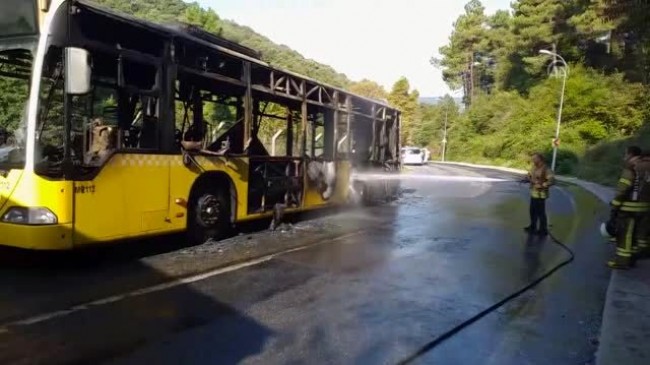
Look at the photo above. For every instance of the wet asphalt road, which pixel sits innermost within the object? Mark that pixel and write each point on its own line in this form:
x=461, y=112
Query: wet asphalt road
x=385, y=282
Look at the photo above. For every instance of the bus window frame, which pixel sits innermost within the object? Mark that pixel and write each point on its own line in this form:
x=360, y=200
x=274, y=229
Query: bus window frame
x=82, y=172
x=160, y=91
x=304, y=92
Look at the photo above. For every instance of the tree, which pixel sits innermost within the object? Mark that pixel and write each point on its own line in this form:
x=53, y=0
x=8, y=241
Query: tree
x=206, y=19
x=430, y=127
x=500, y=45
x=607, y=44
x=536, y=23
x=466, y=41
x=542, y=25
x=369, y=89
x=618, y=36
x=275, y=54
x=402, y=98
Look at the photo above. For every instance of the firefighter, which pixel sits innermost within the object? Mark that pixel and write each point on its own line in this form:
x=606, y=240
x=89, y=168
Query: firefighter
x=643, y=241
x=630, y=209
x=540, y=179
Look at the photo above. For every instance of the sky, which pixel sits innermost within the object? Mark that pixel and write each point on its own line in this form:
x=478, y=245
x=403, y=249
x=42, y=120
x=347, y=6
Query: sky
x=380, y=40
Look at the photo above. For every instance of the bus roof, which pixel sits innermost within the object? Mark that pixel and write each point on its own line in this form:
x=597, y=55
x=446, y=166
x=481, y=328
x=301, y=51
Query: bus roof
x=208, y=39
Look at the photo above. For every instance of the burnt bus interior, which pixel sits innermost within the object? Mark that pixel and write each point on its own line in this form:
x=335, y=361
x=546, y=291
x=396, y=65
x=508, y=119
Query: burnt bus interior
x=175, y=89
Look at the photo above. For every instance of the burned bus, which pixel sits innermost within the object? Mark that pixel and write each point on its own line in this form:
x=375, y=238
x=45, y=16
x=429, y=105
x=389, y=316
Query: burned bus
x=121, y=128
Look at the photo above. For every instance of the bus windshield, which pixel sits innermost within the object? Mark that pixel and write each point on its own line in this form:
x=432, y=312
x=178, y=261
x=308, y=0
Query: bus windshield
x=15, y=71
x=18, y=18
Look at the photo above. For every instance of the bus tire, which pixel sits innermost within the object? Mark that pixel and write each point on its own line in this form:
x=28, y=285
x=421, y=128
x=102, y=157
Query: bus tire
x=208, y=216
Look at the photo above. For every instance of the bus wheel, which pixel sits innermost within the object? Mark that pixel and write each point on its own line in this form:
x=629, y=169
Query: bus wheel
x=208, y=215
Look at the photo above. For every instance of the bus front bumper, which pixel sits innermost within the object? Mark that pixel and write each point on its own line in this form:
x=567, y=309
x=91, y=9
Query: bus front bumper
x=32, y=237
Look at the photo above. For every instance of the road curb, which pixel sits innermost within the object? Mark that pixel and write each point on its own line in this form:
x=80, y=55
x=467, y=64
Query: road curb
x=625, y=328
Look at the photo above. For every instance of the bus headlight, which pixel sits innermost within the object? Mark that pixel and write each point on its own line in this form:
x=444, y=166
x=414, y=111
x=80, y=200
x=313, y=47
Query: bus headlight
x=29, y=216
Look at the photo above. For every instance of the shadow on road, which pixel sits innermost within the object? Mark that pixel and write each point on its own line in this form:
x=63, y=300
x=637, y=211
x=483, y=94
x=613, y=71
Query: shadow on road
x=36, y=283
x=46, y=308
x=103, y=331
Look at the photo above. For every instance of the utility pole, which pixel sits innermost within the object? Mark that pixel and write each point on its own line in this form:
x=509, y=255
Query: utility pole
x=444, y=138
x=554, y=59
x=471, y=78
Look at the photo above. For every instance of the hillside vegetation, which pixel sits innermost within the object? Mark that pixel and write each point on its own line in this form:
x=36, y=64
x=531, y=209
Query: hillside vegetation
x=512, y=99
x=277, y=55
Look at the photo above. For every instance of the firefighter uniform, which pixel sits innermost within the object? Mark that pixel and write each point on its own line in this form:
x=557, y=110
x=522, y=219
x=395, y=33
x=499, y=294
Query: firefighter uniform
x=541, y=178
x=631, y=211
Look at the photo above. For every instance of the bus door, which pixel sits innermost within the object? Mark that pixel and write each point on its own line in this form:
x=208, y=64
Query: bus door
x=129, y=192
x=276, y=169
x=321, y=165
x=274, y=181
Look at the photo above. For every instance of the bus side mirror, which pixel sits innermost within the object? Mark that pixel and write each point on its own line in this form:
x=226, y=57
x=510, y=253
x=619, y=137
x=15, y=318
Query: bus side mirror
x=44, y=5
x=77, y=71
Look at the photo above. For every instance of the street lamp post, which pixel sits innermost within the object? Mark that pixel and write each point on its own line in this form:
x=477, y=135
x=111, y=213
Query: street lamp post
x=565, y=72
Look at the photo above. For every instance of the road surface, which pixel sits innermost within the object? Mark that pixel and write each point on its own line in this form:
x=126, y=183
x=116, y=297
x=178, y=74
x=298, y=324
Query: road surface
x=362, y=286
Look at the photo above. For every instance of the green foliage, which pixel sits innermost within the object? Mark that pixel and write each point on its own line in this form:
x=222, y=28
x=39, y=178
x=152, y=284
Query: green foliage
x=159, y=10
x=469, y=37
x=514, y=111
x=11, y=103
x=402, y=98
x=502, y=49
x=277, y=55
x=506, y=127
x=206, y=19
x=429, y=129
x=369, y=89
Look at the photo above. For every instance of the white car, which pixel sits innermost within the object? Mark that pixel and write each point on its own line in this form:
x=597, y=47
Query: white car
x=413, y=156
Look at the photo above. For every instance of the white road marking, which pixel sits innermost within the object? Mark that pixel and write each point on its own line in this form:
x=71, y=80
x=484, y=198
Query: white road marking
x=44, y=317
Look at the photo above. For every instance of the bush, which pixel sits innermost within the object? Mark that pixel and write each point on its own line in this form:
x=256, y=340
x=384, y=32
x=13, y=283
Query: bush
x=602, y=114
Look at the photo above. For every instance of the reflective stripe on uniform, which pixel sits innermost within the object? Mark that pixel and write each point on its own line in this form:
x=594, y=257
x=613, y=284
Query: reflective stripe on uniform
x=623, y=253
x=634, y=209
x=616, y=203
x=625, y=181
x=538, y=194
x=625, y=241
x=636, y=204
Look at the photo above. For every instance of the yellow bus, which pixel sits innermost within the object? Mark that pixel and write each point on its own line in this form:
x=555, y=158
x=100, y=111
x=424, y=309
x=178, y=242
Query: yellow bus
x=112, y=128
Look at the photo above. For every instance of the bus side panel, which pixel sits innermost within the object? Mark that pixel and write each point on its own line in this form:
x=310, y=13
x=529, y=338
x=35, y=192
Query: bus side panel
x=128, y=198
x=182, y=178
x=314, y=198
x=343, y=172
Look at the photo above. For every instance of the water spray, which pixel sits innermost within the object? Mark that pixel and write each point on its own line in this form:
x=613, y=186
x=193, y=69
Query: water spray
x=435, y=342
x=412, y=177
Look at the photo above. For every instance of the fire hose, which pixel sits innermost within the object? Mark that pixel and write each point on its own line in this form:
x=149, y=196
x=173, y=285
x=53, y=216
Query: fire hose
x=468, y=322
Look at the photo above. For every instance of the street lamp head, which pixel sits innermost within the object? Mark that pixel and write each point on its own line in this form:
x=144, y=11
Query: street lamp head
x=546, y=52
